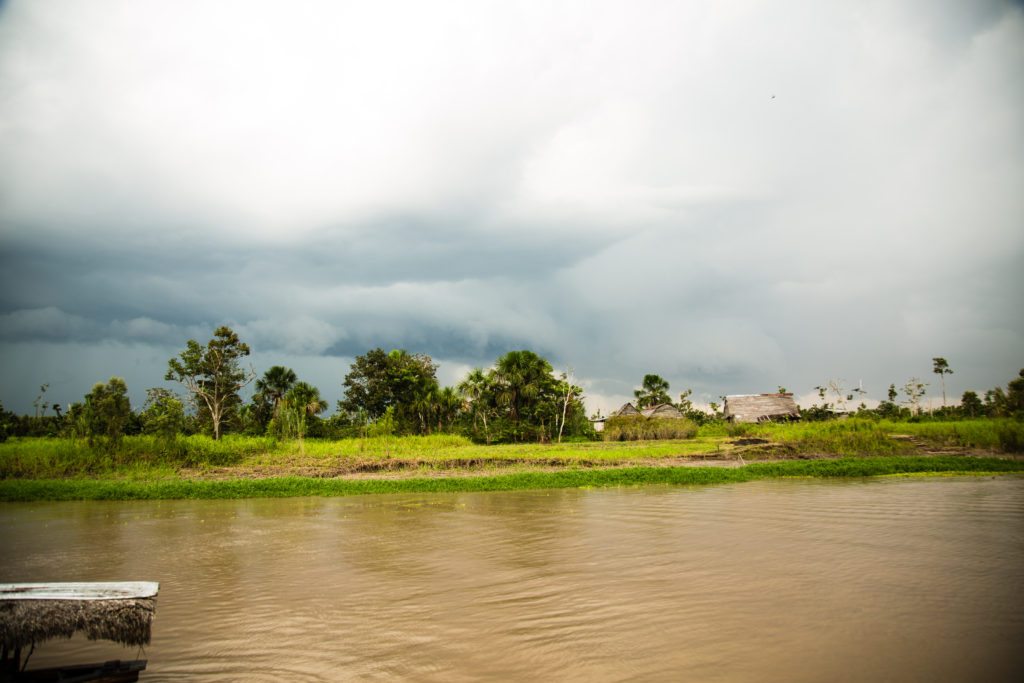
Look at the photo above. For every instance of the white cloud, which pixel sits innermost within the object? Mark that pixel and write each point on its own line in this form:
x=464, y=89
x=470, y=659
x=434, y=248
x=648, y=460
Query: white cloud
x=729, y=194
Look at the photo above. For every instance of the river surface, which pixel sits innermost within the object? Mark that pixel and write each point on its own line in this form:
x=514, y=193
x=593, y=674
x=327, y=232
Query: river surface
x=806, y=580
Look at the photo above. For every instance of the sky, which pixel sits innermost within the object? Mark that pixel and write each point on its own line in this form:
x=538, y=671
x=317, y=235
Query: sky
x=734, y=195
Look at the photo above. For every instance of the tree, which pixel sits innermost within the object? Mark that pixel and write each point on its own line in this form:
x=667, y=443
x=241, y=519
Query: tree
x=446, y=405
x=163, y=413
x=941, y=368
x=476, y=390
x=301, y=403
x=212, y=373
x=1015, y=395
x=914, y=390
x=970, y=404
x=521, y=380
x=107, y=411
x=568, y=391
x=653, y=392
x=397, y=379
x=275, y=383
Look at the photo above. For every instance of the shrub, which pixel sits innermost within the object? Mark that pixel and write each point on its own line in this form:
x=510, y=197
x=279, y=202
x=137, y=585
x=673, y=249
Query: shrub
x=640, y=428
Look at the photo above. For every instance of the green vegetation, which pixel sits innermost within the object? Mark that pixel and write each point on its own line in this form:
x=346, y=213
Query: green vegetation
x=84, y=489
x=861, y=436
x=212, y=375
x=642, y=428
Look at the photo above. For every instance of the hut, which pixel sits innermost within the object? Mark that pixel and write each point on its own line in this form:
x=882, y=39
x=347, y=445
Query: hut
x=625, y=410
x=760, y=408
x=663, y=411
x=31, y=613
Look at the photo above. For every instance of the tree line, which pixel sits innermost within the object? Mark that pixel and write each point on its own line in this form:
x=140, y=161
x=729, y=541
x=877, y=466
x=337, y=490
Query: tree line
x=385, y=393
x=396, y=392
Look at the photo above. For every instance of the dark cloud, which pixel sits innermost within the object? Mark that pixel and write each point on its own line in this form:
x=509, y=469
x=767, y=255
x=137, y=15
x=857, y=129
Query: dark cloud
x=619, y=191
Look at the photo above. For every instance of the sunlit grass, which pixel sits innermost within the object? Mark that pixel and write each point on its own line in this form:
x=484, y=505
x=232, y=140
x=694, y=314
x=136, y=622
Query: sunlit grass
x=96, y=489
x=147, y=457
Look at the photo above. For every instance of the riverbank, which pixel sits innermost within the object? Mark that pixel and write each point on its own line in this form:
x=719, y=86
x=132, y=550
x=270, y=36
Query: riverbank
x=23, y=490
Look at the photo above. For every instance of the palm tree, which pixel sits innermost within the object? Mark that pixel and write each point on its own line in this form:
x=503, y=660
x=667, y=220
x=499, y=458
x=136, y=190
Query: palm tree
x=653, y=392
x=275, y=383
x=476, y=389
x=447, y=405
x=306, y=398
x=519, y=379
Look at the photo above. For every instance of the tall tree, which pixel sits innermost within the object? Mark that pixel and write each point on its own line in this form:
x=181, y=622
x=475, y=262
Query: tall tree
x=163, y=413
x=107, y=411
x=297, y=407
x=397, y=379
x=941, y=368
x=521, y=380
x=275, y=383
x=476, y=390
x=914, y=390
x=970, y=404
x=653, y=392
x=212, y=373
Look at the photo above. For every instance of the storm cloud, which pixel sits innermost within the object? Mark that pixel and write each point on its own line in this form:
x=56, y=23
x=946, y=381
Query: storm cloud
x=733, y=195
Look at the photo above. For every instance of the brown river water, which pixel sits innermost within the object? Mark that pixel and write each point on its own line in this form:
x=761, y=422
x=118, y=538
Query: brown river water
x=804, y=580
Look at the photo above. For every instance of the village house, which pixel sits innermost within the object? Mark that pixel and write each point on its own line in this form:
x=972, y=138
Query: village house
x=760, y=408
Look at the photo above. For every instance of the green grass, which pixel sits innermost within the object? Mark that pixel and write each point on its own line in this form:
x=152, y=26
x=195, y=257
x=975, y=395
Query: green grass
x=149, y=458
x=874, y=437
x=141, y=456
x=92, y=489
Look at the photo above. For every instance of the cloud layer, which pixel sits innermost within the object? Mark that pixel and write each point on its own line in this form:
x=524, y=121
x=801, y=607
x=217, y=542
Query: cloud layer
x=732, y=195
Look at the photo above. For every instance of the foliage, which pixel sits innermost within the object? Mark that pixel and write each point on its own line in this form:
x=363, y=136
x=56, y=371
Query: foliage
x=107, y=412
x=653, y=391
x=971, y=405
x=7, y=423
x=296, y=409
x=641, y=428
x=398, y=379
x=941, y=368
x=212, y=374
x=163, y=414
x=914, y=390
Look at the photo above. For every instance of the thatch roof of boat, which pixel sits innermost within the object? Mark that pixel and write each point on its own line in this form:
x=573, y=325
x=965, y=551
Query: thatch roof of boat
x=33, y=613
x=662, y=410
x=760, y=408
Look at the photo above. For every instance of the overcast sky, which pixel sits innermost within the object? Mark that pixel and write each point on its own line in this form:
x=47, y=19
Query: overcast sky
x=733, y=195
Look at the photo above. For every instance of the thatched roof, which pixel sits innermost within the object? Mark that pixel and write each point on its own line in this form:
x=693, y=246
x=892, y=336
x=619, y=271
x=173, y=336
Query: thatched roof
x=626, y=409
x=665, y=410
x=32, y=613
x=760, y=408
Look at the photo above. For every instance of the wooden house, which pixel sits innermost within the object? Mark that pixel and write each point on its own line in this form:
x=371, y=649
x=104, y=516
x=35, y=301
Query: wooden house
x=760, y=408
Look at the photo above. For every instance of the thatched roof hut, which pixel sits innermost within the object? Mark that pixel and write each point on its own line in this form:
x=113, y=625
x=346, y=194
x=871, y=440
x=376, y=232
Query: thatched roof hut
x=663, y=410
x=31, y=613
x=760, y=408
x=626, y=409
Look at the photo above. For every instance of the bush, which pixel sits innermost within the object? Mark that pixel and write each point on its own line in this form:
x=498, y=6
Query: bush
x=640, y=428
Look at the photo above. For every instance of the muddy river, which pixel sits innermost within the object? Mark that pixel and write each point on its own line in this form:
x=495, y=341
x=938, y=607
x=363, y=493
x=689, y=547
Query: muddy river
x=805, y=580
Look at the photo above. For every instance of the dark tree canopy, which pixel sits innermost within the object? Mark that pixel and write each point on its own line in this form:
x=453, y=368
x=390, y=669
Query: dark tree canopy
x=107, y=411
x=379, y=380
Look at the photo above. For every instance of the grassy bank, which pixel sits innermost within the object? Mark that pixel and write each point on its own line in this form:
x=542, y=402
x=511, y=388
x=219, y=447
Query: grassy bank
x=881, y=437
x=148, y=457
x=97, y=489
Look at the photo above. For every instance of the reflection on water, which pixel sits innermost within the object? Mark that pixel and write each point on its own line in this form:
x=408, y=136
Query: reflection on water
x=767, y=581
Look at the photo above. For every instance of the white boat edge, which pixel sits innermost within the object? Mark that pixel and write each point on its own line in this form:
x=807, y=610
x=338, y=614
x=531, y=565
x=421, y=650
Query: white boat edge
x=116, y=590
